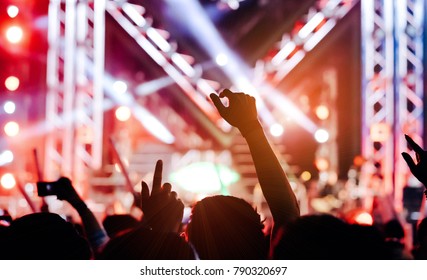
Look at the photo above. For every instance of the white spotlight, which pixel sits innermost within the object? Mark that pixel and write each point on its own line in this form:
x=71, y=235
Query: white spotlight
x=276, y=130
x=321, y=135
x=9, y=107
x=12, y=11
x=120, y=87
x=221, y=59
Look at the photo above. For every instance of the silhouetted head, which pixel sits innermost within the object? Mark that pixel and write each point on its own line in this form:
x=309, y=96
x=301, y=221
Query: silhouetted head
x=226, y=227
x=116, y=224
x=368, y=243
x=44, y=236
x=314, y=237
x=394, y=229
x=146, y=244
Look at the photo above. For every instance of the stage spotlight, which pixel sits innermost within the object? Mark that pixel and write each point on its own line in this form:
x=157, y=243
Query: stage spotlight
x=321, y=135
x=120, y=87
x=8, y=181
x=12, y=11
x=221, y=59
x=11, y=129
x=11, y=83
x=123, y=113
x=6, y=157
x=276, y=130
x=9, y=107
x=322, y=112
x=14, y=34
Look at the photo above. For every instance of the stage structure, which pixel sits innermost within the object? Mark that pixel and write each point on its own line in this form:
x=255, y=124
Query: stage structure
x=392, y=97
x=75, y=97
x=392, y=38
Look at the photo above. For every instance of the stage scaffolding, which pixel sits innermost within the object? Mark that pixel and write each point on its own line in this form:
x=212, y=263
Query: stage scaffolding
x=392, y=94
x=392, y=80
x=75, y=97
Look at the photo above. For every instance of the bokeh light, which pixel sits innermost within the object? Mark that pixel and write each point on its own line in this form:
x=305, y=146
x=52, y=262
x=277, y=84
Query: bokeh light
x=12, y=11
x=11, y=129
x=120, y=87
x=321, y=135
x=8, y=181
x=322, y=112
x=11, y=83
x=276, y=130
x=14, y=34
x=123, y=113
x=9, y=107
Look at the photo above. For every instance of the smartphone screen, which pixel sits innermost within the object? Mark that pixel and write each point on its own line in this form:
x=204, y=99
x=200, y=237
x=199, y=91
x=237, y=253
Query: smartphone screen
x=45, y=188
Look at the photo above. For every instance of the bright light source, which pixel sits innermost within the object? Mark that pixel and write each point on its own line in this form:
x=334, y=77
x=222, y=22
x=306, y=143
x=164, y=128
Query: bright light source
x=9, y=107
x=305, y=176
x=8, y=181
x=14, y=34
x=364, y=218
x=12, y=11
x=321, y=164
x=123, y=113
x=322, y=112
x=6, y=157
x=233, y=4
x=11, y=129
x=213, y=176
x=276, y=130
x=11, y=83
x=321, y=135
x=221, y=59
x=120, y=87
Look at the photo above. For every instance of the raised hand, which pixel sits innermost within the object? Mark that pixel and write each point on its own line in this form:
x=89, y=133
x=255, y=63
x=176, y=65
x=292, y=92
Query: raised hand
x=240, y=113
x=163, y=211
x=275, y=185
x=65, y=191
x=419, y=169
x=95, y=232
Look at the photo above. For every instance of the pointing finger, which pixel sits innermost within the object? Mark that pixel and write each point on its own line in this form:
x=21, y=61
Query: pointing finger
x=217, y=102
x=157, y=178
x=414, y=145
x=409, y=161
x=145, y=193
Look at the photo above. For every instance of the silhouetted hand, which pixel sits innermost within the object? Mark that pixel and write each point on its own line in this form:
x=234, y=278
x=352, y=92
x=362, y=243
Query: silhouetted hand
x=163, y=211
x=419, y=169
x=65, y=191
x=240, y=113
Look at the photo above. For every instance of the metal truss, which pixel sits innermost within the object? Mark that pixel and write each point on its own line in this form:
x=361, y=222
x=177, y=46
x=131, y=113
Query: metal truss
x=409, y=31
x=392, y=88
x=157, y=45
x=293, y=47
x=378, y=91
x=74, y=101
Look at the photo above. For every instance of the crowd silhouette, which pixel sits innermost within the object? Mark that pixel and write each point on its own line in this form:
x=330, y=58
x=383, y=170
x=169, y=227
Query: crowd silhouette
x=220, y=227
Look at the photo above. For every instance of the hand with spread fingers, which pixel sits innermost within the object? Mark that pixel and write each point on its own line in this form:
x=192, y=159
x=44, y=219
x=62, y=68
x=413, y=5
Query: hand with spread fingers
x=163, y=211
x=419, y=169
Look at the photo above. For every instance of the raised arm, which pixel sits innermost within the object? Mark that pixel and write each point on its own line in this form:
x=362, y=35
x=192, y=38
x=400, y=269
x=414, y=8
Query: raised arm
x=242, y=114
x=162, y=209
x=96, y=234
